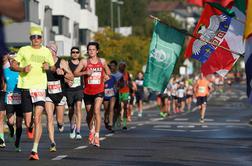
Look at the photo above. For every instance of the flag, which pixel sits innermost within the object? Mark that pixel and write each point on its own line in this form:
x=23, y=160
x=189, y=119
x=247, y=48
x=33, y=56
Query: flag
x=220, y=29
x=202, y=2
x=248, y=48
x=165, y=48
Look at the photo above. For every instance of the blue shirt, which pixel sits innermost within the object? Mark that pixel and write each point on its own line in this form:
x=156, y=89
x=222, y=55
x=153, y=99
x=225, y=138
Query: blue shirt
x=109, y=90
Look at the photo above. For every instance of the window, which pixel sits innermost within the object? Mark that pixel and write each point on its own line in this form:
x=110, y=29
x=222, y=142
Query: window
x=85, y=4
x=84, y=36
x=61, y=25
x=31, y=11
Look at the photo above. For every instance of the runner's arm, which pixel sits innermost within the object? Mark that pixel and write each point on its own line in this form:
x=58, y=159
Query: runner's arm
x=68, y=73
x=15, y=67
x=13, y=9
x=79, y=70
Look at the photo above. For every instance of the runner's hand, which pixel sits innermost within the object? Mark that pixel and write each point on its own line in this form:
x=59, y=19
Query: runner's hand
x=60, y=71
x=45, y=66
x=27, y=69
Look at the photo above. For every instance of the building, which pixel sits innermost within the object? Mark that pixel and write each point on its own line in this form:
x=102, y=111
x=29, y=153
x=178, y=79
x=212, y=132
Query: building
x=68, y=22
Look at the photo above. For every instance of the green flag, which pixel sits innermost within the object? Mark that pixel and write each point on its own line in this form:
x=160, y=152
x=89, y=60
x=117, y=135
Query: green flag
x=165, y=48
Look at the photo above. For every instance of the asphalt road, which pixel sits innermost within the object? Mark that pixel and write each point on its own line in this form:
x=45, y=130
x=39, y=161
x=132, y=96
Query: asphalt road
x=224, y=139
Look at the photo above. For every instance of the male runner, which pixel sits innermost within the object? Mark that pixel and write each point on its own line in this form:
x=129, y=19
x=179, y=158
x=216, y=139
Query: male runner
x=31, y=62
x=95, y=71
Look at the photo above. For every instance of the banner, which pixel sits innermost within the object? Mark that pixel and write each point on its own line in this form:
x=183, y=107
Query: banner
x=165, y=48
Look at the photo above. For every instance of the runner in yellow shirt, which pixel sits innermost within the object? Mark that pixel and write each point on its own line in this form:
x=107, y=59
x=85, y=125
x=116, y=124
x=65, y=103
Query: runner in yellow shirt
x=31, y=62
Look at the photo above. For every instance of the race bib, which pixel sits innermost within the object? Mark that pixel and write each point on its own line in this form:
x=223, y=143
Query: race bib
x=37, y=95
x=95, y=78
x=202, y=89
x=109, y=92
x=139, y=82
x=76, y=82
x=54, y=87
x=13, y=98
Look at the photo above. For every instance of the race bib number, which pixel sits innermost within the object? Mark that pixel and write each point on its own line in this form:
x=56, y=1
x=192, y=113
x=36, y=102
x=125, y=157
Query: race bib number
x=202, y=89
x=95, y=78
x=54, y=87
x=109, y=92
x=76, y=82
x=37, y=95
x=13, y=98
x=139, y=82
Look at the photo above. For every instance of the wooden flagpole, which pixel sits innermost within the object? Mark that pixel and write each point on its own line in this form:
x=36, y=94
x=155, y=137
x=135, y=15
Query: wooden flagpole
x=189, y=34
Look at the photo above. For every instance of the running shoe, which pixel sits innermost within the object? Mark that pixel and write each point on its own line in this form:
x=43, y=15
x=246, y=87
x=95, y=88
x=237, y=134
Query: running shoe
x=78, y=136
x=140, y=114
x=124, y=128
x=2, y=143
x=96, y=142
x=60, y=128
x=91, y=138
x=202, y=120
x=72, y=133
x=53, y=147
x=30, y=134
x=11, y=139
x=17, y=149
x=33, y=156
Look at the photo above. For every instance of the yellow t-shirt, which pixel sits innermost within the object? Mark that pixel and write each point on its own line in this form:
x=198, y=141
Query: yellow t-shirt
x=36, y=78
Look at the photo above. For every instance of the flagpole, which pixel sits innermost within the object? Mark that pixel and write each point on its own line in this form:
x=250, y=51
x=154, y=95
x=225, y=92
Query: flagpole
x=189, y=34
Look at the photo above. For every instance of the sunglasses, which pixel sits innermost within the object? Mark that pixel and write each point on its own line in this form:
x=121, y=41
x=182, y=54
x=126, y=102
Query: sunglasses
x=75, y=52
x=36, y=37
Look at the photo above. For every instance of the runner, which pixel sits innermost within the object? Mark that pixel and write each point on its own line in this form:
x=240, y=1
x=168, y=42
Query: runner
x=132, y=96
x=165, y=106
x=55, y=94
x=74, y=95
x=93, y=70
x=202, y=89
x=189, y=95
x=31, y=62
x=124, y=89
x=181, y=94
x=2, y=108
x=114, y=72
x=139, y=93
x=12, y=102
x=109, y=102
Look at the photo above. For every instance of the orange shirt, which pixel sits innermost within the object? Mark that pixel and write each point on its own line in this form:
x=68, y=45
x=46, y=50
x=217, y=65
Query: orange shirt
x=125, y=82
x=202, y=88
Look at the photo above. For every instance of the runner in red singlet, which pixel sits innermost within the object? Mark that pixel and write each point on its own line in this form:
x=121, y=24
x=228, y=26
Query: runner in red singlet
x=95, y=71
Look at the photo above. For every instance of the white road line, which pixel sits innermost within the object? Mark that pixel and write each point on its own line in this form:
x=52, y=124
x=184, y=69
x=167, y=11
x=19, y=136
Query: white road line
x=181, y=119
x=109, y=135
x=204, y=126
x=102, y=138
x=233, y=120
x=163, y=126
x=170, y=130
x=59, y=157
x=133, y=127
x=156, y=119
x=81, y=147
x=139, y=124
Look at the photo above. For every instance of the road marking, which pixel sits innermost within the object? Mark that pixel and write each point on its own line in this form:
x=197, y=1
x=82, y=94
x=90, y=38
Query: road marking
x=109, y=135
x=133, y=127
x=81, y=147
x=140, y=124
x=204, y=130
x=204, y=126
x=159, y=126
x=156, y=119
x=170, y=130
x=59, y=157
x=181, y=119
x=233, y=120
x=102, y=138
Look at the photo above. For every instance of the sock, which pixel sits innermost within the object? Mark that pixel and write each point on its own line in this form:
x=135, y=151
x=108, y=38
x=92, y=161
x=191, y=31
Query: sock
x=78, y=131
x=59, y=125
x=30, y=129
x=97, y=135
x=11, y=129
x=18, y=136
x=35, y=147
x=92, y=130
x=124, y=122
x=2, y=136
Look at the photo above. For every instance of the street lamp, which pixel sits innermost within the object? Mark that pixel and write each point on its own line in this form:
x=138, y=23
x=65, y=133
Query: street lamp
x=119, y=14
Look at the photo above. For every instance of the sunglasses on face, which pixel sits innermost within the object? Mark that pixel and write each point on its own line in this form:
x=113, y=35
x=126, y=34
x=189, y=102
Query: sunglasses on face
x=36, y=37
x=75, y=52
